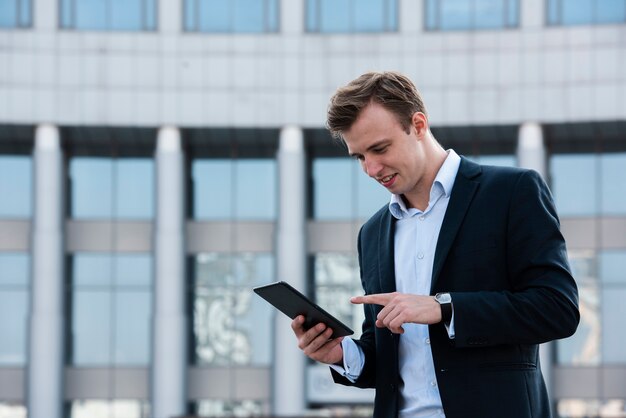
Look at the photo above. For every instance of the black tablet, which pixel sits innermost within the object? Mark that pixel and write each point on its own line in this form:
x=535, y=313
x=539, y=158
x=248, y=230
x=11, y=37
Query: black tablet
x=293, y=303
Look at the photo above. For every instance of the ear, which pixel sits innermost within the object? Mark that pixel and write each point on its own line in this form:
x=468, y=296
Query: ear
x=419, y=121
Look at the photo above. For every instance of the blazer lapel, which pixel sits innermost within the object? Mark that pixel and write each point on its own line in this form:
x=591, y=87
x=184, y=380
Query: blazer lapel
x=386, y=271
x=462, y=194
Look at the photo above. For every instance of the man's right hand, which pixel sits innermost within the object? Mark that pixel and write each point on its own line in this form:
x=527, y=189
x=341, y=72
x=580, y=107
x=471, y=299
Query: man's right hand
x=316, y=343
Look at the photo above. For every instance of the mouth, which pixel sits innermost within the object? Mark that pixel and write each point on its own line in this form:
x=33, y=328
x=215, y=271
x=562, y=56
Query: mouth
x=387, y=181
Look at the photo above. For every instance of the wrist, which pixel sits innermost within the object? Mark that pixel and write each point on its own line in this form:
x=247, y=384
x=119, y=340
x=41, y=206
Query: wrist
x=445, y=304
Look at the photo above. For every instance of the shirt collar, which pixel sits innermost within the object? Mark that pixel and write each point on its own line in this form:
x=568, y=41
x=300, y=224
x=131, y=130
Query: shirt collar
x=444, y=180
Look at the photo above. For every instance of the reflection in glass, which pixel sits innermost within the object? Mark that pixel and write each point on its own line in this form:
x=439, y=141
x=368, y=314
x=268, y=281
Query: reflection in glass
x=222, y=408
x=231, y=16
x=232, y=326
x=126, y=15
x=112, y=188
x=583, y=348
x=14, y=269
x=497, y=160
x=15, y=184
x=15, y=14
x=336, y=280
x=612, y=174
x=12, y=410
x=234, y=189
x=13, y=326
x=349, y=16
x=119, y=408
x=111, y=306
x=583, y=408
x=471, y=14
x=613, y=267
x=342, y=191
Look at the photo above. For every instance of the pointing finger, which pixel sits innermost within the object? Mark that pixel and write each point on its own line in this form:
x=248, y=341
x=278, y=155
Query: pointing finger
x=375, y=299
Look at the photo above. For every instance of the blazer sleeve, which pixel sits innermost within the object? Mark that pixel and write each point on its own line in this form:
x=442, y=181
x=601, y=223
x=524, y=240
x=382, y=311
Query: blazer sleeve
x=539, y=301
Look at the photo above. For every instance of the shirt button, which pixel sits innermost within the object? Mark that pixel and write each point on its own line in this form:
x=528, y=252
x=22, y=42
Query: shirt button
x=422, y=217
x=427, y=341
x=433, y=383
x=420, y=255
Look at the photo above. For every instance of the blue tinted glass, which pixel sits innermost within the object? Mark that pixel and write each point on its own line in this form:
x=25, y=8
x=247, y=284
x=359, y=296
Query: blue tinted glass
x=574, y=183
x=512, y=13
x=610, y=11
x=126, y=14
x=190, y=11
x=92, y=184
x=135, y=188
x=91, y=14
x=249, y=16
x=613, y=314
x=497, y=160
x=8, y=14
x=369, y=15
x=25, y=13
x=577, y=11
x=15, y=186
x=612, y=175
x=370, y=195
x=335, y=16
x=66, y=13
x=332, y=180
x=13, y=326
x=455, y=14
x=312, y=16
x=613, y=267
x=255, y=189
x=215, y=15
x=133, y=311
x=432, y=15
x=392, y=15
x=133, y=270
x=149, y=15
x=212, y=189
x=272, y=15
x=554, y=16
x=92, y=269
x=14, y=269
x=91, y=328
x=488, y=14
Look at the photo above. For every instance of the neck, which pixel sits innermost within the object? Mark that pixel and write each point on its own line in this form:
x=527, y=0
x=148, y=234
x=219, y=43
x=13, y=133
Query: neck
x=436, y=155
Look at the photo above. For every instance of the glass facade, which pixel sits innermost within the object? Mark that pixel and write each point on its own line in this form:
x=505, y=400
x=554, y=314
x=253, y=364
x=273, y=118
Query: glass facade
x=118, y=188
x=14, y=303
x=110, y=306
x=231, y=16
x=108, y=15
x=351, y=16
x=471, y=14
x=243, y=189
x=231, y=325
x=96, y=408
x=15, y=14
x=16, y=186
x=342, y=191
x=585, y=12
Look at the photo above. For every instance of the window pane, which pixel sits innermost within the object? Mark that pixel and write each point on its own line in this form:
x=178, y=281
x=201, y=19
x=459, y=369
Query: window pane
x=132, y=328
x=8, y=14
x=92, y=269
x=576, y=11
x=232, y=326
x=474, y=14
x=497, y=160
x=613, y=314
x=612, y=174
x=610, y=11
x=613, y=267
x=125, y=408
x=133, y=270
x=126, y=14
x=332, y=178
x=90, y=14
x=455, y=14
x=15, y=185
x=92, y=187
x=574, y=182
x=335, y=16
x=13, y=326
x=369, y=15
x=14, y=269
x=243, y=16
x=250, y=183
x=91, y=328
x=249, y=16
x=343, y=16
x=489, y=14
x=135, y=188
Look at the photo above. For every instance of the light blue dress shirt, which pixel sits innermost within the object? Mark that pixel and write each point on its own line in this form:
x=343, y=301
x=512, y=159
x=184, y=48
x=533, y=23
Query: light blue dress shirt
x=415, y=241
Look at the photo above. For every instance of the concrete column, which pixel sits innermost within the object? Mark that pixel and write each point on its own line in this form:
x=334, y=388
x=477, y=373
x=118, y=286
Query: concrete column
x=289, y=361
x=45, y=15
x=170, y=17
x=45, y=357
x=531, y=153
x=169, y=366
x=291, y=17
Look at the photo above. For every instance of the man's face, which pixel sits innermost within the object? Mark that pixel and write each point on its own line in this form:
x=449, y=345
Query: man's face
x=387, y=153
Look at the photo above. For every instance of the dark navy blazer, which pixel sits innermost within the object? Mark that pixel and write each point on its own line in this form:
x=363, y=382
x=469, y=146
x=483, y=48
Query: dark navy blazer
x=501, y=255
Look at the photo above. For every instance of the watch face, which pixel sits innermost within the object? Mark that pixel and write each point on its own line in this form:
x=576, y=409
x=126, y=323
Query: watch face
x=443, y=298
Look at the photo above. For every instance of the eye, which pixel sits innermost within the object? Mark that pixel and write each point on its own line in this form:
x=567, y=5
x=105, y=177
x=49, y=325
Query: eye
x=380, y=150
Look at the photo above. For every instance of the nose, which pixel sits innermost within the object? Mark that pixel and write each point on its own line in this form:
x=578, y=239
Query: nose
x=371, y=167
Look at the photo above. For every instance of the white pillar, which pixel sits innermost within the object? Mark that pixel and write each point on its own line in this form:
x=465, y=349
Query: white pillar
x=45, y=357
x=531, y=153
x=289, y=362
x=169, y=366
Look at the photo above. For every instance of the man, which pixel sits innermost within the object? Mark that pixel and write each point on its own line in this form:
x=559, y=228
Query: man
x=465, y=271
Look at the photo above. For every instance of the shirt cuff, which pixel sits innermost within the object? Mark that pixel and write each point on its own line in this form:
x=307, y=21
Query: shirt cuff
x=450, y=327
x=353, y=360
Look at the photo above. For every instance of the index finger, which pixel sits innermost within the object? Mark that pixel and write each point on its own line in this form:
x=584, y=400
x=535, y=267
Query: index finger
x=375, y=299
